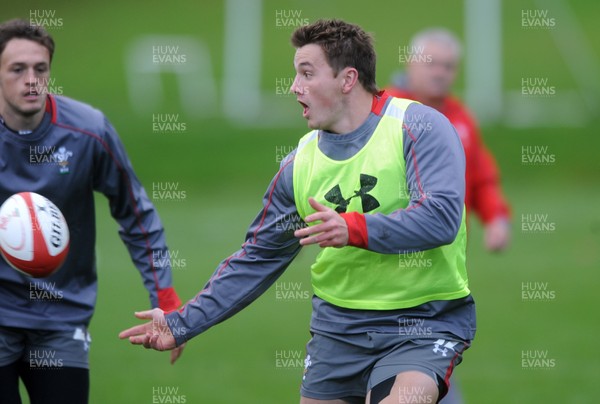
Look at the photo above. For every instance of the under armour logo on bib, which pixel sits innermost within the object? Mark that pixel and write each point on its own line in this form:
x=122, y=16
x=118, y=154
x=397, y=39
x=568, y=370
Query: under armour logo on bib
x=369, y=203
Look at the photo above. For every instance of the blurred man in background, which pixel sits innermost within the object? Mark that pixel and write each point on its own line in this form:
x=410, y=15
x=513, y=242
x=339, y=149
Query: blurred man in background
x=44, y=338
x=433, y=58
x=431, y=70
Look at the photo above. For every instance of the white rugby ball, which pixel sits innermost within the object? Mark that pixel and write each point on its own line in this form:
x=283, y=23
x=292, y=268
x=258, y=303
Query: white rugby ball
x=34, y=236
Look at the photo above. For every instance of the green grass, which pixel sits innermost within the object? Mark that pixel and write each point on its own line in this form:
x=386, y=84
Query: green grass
x=235, y=361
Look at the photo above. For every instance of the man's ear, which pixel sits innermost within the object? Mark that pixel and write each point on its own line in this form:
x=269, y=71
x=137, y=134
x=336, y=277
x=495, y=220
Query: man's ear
x=349, y=76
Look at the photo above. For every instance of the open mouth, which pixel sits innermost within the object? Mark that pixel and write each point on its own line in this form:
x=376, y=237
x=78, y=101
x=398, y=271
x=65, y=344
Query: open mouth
x=305, y=109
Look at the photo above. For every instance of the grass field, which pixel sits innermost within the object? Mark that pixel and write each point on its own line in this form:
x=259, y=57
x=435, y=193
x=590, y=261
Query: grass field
x=224, y=168
x=236, y=361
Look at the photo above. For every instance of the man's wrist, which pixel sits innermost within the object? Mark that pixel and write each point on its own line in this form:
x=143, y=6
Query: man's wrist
x=168, y=300
x=358, y=235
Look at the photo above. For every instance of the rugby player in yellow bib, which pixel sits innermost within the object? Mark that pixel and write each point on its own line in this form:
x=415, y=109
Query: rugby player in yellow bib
x=379, y=185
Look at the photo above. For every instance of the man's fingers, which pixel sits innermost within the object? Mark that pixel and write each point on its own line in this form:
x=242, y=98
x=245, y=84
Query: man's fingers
x=147, y=341
x=307, y=231
x=326, y=238
x=322, y=216
x=308, y=240
x=323, y=239
x=316, y=205
x=152, y=335
x=138, y=339
x=317, y=234
x=144, y=315
x=174, y=356
x=133, y=331
x=139, y=329
x=155, y=342
x=323, y=213
x=176, y=353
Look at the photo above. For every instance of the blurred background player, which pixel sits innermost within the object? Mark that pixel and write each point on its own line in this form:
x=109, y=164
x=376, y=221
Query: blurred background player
x=44, y=337
x=431, y=70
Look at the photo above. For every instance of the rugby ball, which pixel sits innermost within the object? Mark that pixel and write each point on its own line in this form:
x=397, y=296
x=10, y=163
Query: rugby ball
x=34, y=236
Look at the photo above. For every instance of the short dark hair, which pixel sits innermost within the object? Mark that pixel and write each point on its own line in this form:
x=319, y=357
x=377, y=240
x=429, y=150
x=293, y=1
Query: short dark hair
x=22, y=29
x=344, y=44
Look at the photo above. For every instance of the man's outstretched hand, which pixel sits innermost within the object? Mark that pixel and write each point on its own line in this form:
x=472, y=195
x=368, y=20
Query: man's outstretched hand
x=154, y=334
x=331, y=232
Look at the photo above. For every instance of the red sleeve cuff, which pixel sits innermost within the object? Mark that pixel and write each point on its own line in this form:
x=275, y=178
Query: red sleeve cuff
x=168, y=299
x=357, y=229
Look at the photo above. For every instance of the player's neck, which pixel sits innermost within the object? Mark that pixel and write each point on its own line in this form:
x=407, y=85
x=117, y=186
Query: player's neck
x=356, y=112
x=19, y=122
